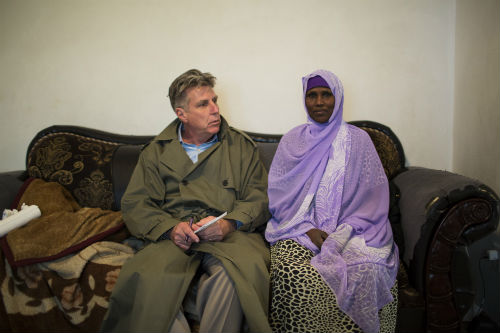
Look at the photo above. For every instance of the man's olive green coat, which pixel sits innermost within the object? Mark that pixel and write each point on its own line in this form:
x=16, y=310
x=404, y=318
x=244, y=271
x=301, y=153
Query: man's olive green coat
x=166, y=188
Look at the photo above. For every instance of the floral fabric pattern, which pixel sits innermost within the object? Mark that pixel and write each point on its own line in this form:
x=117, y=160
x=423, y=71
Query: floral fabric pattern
x=81, y=164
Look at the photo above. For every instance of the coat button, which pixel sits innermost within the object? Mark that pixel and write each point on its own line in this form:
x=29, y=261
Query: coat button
x=184, y=182
x=224, y=182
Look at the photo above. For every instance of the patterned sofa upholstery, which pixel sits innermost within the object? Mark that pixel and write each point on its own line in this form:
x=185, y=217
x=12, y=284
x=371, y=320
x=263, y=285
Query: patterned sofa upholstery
x=435, y=214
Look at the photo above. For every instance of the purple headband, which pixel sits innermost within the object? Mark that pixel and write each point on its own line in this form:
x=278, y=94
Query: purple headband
x=316, y=81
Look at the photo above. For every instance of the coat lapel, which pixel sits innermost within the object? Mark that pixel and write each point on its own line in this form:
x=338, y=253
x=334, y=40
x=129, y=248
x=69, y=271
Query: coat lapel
x=174, y=157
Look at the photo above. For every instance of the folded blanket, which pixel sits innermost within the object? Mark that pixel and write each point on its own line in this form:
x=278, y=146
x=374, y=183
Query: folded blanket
x=63, y=228
x=70, y=294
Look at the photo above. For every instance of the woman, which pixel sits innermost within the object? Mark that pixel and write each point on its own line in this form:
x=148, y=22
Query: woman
x=333, y=258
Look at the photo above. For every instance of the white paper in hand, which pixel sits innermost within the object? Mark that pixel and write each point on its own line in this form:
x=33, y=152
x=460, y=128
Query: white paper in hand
x=209, y=223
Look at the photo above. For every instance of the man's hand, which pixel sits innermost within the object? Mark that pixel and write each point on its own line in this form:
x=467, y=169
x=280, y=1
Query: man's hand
x=317, y=237
x=217, y=231
x=183, y=235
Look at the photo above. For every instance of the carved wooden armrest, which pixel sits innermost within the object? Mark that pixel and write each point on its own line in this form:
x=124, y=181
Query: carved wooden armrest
x=439, y=211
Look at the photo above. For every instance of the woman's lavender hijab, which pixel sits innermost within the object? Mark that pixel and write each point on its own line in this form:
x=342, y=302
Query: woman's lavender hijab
x=329, y=176
x=299, y=164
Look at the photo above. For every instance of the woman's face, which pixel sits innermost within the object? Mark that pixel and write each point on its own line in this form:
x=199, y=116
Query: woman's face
x=320, y=102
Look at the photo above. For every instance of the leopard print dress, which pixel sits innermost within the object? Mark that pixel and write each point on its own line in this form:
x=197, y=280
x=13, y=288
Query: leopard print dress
x=301, y=301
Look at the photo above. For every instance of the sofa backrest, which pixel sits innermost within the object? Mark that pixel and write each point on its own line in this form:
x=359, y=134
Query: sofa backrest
x=95, y=166
x=83, y=160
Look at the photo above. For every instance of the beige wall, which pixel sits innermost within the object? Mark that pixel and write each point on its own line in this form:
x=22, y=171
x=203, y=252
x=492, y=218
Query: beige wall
x=476, y=133
x=107, y=64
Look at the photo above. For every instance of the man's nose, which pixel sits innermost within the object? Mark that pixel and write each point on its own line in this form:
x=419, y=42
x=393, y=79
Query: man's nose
x=214, y=108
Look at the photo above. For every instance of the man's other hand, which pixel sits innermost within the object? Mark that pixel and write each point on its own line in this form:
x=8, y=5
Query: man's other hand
x=183, y=235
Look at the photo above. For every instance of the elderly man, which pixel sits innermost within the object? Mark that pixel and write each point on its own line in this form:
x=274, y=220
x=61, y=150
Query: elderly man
x=196, y=169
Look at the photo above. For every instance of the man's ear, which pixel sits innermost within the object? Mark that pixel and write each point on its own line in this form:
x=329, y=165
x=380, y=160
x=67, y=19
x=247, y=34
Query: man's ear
x=181, y=114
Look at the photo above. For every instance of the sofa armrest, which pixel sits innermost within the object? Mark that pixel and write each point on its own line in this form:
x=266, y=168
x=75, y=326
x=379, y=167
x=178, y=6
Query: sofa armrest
x=427, y=195
x=10, y=183
x=440, y=212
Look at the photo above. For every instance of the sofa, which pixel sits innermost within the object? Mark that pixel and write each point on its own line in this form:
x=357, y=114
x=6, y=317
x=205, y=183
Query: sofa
x=58, y=276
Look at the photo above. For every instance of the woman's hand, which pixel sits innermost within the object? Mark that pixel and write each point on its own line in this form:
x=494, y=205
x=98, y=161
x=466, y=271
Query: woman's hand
x=317, y=237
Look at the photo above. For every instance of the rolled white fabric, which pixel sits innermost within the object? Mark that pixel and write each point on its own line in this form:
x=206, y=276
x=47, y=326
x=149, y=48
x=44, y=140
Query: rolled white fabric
x=18, y=219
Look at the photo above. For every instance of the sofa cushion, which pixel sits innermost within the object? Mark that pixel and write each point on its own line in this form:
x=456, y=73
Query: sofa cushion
x=79, y=163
